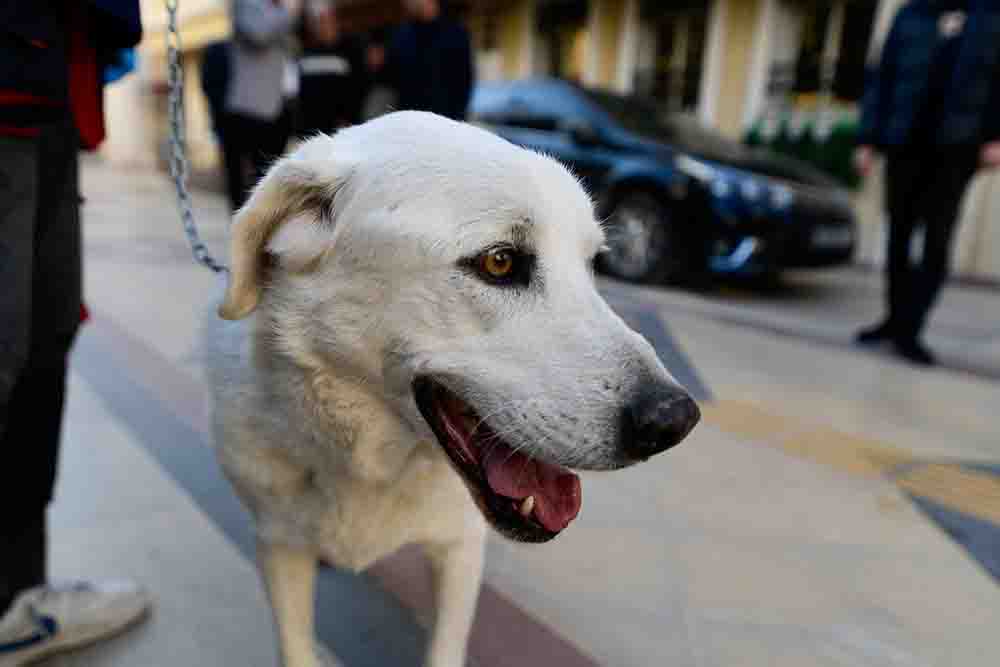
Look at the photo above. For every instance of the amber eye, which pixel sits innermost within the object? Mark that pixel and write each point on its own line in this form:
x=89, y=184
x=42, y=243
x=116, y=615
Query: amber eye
x=497, y=263
x=501, y=265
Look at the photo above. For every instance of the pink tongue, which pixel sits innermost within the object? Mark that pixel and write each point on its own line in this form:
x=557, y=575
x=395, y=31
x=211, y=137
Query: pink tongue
x=556, y=490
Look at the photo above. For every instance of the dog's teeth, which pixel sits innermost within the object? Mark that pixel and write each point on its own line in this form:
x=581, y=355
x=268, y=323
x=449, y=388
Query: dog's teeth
x=527, y=505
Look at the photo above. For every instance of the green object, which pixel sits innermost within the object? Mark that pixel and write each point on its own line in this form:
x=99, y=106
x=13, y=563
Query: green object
x=832, y=153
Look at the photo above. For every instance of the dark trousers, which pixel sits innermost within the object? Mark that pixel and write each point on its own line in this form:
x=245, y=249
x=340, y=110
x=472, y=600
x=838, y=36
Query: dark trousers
x=925, y=190
x=249, y=146
x=39, y=314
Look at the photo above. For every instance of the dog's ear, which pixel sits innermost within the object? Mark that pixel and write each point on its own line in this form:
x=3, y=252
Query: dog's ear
x=298, y=191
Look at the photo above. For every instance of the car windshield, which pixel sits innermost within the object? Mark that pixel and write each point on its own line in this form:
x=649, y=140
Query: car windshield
x=646, y=119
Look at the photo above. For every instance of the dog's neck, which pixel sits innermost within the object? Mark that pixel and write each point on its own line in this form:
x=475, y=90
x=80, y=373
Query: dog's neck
x=358, y=428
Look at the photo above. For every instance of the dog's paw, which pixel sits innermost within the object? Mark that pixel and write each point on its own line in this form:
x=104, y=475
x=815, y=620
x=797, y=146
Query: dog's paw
x=325, y=657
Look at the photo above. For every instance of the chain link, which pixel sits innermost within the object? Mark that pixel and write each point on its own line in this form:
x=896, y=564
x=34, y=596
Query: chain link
x=178, y=142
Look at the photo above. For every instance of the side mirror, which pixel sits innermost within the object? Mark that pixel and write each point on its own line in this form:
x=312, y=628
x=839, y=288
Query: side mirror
x=581, y=132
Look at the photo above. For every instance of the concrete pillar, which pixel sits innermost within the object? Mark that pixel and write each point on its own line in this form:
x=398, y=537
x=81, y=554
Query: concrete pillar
x=715, y=47
x=761, y=61
x=678, y=62
x=517, y=39
x=883, y=21
x=828, y=65
x=628, y=47
x=594, y=38
x=131, y=136
x=740, y=22
x=831, y=45
x=985, y=247
x=611, y=26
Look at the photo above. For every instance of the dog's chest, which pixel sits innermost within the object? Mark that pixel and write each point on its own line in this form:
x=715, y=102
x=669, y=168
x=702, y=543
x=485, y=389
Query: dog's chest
x=365, y=521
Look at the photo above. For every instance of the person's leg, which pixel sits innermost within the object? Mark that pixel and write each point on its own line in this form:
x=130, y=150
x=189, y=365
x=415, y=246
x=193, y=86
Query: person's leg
x=941, y=200
x=271, y=139
x=45, y=618
x=902, y=187
x=22, y=563
x=902, y=181
x=34, y=403
x=57, y=293
x=234, y=140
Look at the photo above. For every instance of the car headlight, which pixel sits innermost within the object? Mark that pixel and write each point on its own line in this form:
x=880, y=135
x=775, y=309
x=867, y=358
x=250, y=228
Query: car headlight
x=696, y=169
x=751, y=190
x=781, y=196
x=721, y=188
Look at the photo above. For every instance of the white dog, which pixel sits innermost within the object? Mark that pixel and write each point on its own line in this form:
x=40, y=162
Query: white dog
x=428, y=351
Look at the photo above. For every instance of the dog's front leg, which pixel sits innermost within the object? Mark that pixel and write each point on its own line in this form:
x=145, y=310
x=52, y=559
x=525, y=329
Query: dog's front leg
x=458, y=570
x=290, y=577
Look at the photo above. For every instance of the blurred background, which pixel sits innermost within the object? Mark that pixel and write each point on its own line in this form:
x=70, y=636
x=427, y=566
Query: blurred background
x=787, y=74
x=837, y=505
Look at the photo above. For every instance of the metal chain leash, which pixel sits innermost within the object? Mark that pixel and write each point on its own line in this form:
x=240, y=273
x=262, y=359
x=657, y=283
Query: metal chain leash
x=178, y=143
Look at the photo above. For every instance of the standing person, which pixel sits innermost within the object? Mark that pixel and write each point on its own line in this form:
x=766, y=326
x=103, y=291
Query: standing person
x=430, y=61
x=53, y=57
x=933, y=109
x=262, y=84
x=215, y=76
x=334, y=78
x=381, y=96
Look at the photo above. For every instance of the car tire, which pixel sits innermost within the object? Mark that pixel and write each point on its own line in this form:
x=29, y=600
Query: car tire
x=644, y=243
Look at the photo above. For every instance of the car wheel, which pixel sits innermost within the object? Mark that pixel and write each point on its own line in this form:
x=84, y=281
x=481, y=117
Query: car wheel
x=642, y=239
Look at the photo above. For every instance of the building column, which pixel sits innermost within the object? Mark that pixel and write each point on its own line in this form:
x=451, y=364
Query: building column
x=131, y=128
x=715, y=47
x=759, y=75
x=594, y=38
x=679, y=62
x=887, y=10
x=517, y=39
x=740, y=22
x=628, y=48
x=831, y=46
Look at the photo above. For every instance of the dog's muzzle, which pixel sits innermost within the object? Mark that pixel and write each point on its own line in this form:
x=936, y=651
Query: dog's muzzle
x=525, y=497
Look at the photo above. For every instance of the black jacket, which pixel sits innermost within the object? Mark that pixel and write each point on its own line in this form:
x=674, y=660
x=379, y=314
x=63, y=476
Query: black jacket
x=334, y=82
x=431, y=67
x=898, y=91
x=34, y=39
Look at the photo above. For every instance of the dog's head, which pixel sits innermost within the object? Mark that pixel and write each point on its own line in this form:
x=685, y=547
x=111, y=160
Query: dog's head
x=450, y=272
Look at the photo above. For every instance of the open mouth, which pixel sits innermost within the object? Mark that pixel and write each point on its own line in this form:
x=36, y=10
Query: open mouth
x=525, y=498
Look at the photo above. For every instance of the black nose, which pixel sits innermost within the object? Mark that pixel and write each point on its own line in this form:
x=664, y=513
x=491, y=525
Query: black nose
x=656, y=421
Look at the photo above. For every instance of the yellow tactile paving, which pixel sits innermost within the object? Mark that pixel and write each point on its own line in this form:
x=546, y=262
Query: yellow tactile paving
x=822, y=444
x=746, y=420
x=976, y=494
x=851, y=453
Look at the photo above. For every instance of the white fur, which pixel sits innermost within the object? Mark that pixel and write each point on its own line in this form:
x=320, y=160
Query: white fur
x=315, y=421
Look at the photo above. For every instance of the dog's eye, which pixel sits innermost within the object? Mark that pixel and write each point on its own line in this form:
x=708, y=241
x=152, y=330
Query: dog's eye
x=497, y=263
x=502, y=265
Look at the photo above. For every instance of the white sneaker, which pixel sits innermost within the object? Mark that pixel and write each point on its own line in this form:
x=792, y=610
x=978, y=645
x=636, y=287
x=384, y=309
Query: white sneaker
x=325, y=657
x=50, y=619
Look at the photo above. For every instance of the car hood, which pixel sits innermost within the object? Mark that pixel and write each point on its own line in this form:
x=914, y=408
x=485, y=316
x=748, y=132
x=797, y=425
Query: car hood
x=750, y=159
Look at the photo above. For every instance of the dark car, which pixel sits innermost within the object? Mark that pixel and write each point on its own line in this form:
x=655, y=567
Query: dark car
x=678, y=198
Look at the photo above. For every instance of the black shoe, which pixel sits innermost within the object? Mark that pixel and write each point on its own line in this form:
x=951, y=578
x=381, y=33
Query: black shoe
x=876, y=334
x=913, y=351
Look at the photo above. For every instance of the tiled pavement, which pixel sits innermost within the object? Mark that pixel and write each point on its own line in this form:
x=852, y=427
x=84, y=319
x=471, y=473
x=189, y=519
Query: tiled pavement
x=782, y=533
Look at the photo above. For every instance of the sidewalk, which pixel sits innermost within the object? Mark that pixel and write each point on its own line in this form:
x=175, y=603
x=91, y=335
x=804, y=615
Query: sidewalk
x=117, y=515
x=749, y=545
x=831, y=306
